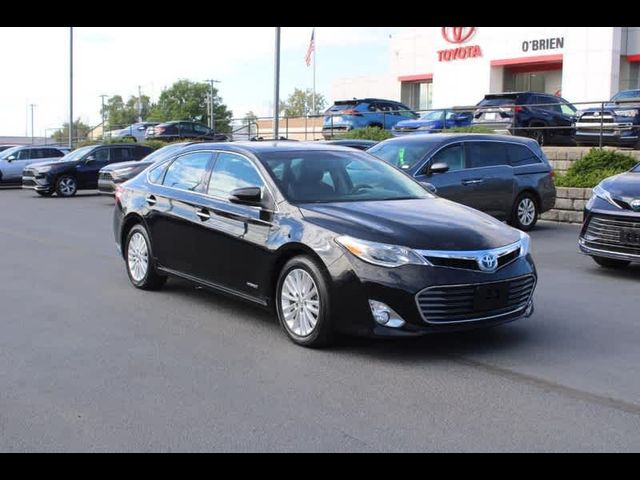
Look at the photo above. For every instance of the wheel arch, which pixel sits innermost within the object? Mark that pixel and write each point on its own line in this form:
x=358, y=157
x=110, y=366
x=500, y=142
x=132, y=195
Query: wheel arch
x=127, y=224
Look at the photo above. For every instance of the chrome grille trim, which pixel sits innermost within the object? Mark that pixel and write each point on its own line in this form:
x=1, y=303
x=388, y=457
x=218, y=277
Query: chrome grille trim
x=473, y=255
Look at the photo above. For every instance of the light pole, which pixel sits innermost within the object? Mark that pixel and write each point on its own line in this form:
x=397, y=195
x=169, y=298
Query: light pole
x=276, y=89
x=70, y=87
x=32, y=105
x=103, y=124
x=212, y=122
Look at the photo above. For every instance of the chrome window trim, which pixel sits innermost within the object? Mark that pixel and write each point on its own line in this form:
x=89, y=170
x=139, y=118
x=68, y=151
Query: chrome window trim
x=214, y=197
x=480, y=319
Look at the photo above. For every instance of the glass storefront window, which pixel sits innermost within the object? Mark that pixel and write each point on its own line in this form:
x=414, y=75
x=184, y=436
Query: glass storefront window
x=417, y=95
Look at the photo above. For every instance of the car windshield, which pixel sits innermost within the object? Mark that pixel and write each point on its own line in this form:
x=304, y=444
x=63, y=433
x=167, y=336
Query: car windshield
x=636, y=168
x=627, y=95
x=336, y=176
x=403, y=154
x=435, y=115
x=77, y=154
x=8, y=152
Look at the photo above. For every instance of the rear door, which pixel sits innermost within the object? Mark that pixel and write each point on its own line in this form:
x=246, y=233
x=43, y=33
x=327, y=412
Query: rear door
x=490, y=177
x=449, y=185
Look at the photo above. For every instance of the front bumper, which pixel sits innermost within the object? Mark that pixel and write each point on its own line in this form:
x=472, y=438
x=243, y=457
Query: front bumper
x=356, y=282
x=602, y=234
x=106, y=184
x=39, y=184
x=615, y=134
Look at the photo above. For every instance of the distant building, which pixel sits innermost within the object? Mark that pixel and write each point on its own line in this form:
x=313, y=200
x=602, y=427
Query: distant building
x=25, y=140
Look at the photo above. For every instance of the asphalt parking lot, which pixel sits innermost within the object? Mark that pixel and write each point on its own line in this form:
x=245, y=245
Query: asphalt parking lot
x=88, y=363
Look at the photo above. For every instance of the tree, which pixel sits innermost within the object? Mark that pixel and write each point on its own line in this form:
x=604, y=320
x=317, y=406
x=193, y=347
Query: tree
x=186, y=100
x=300, y=103
x=250, y=117
x=80, y=131
x=119, y=114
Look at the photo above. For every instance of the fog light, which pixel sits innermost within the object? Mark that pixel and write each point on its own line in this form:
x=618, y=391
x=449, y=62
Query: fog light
x=529, y=311
x=385, y=315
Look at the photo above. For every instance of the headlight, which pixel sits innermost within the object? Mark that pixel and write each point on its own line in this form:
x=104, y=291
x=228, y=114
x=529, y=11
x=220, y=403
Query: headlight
x=425, y=128
x=600, y=192
x=525, y=244
x=625, y=113
x=380, y=253
x=43, y=169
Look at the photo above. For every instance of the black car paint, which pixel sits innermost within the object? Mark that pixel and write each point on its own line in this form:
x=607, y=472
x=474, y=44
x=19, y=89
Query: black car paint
x=241, y=249
x=83, y=170
x=178, y=130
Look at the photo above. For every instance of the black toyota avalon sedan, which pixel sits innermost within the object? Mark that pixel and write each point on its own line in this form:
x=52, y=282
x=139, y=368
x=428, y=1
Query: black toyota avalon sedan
x=611, y=230
x=331, y=238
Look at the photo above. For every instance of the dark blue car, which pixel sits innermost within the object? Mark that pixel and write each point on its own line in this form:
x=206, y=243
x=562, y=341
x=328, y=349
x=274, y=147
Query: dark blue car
x=434, y=121
x=348, y=115
x=619, y=122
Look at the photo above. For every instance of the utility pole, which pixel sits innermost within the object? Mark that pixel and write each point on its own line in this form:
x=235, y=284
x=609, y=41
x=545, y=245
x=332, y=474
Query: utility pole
x=32, y=105
x=276, y=88
x=103, y=120
x=212, y=122
x=70, y=87
x=139, y=103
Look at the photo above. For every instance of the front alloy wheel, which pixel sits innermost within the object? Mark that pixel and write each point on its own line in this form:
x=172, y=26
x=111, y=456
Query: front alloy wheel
x=525, y=214
x=302, y=302
x=66, y=186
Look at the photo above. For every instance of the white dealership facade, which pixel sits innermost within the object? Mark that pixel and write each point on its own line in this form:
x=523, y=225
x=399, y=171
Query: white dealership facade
x=440, y=67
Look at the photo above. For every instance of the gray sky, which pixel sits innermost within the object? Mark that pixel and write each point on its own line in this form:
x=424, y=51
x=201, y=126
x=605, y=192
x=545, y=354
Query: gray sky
x=115, y=60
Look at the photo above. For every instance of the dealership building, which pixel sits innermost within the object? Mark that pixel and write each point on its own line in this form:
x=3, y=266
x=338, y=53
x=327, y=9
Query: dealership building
x=438, y=67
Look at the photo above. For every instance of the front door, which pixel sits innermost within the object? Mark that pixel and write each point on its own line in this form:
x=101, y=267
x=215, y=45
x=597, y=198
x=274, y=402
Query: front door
x=88, y=169
x=450, y=185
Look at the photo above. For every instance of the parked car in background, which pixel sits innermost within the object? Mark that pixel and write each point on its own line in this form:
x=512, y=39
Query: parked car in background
x=4, y=147
x=79, y=169
x=507, y=177
x=619, y=122
x=330, y=238
x=611, y=230
x=352, y=143
x=546, y=118
x=116, y=173
x=13, y=160
x=348, y=115
x=434, y=121
x=172, y=131
x=134, y=132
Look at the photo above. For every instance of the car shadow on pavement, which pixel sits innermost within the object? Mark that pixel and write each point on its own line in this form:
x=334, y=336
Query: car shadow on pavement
x=632, y=272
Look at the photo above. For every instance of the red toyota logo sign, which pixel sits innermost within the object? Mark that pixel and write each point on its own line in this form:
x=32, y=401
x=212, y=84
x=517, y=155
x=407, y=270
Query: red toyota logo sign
x=457, y=34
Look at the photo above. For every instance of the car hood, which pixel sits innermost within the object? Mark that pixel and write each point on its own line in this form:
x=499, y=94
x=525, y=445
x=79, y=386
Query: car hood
x=54, y=164
x=625, y=186
x=119, y=165
x=419, y=123
x=429, y=224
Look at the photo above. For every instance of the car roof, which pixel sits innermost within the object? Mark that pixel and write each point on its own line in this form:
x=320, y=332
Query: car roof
x=256, y=148
x=355, y=100
x=440, y=138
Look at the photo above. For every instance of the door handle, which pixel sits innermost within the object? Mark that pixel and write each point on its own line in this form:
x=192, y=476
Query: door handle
x=472, y=182
x=203, y=215
x=151, y=200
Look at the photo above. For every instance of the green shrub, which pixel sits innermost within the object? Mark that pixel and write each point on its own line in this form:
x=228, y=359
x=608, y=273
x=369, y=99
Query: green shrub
x=368, y=133
x=469, y=129
x=594, y=167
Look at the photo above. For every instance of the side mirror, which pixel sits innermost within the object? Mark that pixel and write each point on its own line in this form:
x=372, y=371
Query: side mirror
x=11, y=158
x=247, y=196
x=439, y=168
x=142, y=128
x=90, y=158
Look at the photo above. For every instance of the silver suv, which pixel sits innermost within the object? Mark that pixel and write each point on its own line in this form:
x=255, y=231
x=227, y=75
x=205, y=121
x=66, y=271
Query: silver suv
x=135, y=132
x=14, y=160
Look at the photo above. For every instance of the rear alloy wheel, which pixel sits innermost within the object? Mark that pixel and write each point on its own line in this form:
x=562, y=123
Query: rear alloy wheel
x=539, y=136
x=525, y=212
x=302, y=303
x=66, y=186
x=610, y=262
x=140, y=265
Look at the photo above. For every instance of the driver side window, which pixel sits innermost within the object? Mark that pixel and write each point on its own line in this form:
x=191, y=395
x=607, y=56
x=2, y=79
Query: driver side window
x=453, y=155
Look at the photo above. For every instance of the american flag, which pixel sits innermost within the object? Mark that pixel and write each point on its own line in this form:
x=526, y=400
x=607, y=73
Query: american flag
x=312, y=47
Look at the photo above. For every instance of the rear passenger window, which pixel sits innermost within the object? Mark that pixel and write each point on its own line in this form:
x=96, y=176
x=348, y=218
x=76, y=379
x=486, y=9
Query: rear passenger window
x=486, y=154
x=157, y=173
x=121, y=155
x=188, y=172
x=520, y=155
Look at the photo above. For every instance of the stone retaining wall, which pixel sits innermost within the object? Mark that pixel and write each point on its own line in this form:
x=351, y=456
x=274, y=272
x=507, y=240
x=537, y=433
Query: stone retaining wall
x=562, y=157
x=569, y=206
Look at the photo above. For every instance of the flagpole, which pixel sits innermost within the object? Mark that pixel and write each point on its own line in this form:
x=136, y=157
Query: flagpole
x=314, y=73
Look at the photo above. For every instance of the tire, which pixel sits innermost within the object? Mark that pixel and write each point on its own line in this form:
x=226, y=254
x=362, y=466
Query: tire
x=525, y=212
x=138, y=257
x=66, y=186
x=610, y=262
x=299, y=324
x=47, y=193
x=539, y=136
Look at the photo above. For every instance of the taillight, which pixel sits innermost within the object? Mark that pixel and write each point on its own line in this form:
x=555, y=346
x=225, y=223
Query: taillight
x=553, y=173
x=119, y=192
x=351, y=111
x=518, y=109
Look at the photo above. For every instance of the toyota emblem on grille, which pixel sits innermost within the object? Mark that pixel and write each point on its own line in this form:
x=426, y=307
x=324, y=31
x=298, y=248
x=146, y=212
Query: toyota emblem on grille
x=636, y=205
x=488, y=262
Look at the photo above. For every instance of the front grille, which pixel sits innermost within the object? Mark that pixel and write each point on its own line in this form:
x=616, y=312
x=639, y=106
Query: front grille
x=504, y=258
x=27, y=172
x=607, y=233
x=105, y=177
x=456, y=303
